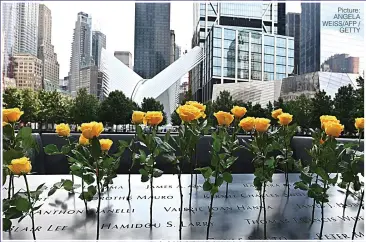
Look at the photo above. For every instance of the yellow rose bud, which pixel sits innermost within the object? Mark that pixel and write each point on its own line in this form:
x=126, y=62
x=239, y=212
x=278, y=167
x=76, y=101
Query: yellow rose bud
x=91, y=130
x=198, y=105
x=138, y=117
x=238, y=111
x=153, y=118
x=359, y=123
x=333, y=129
x=105, y=144
x=262, y=124
x=224, y=118
x=20, y=166
x=83, y=140
x=12, y=115
x=327, y=118
x=284, y=118
x=188, y=113
x=247, y=123
x=63, y=130
x=276, y=112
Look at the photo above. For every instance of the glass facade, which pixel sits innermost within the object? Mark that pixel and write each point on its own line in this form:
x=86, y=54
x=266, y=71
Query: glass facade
x=152, y=38
x=333, y=37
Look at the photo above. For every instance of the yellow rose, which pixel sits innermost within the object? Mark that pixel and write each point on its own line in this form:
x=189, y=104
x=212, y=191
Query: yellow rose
x=188, y=113
x=333, y=129
x=20, y=166
x=238, y=111
x=63, y=130
x=359, y=123
x=83, y=140
x=247, y=123
x=224, y=118
x=105, y=144
x=276, y=112
x=12, y=115
x=284, y=118
x=262, y=124
x=91, y=130
x=153, y=118
x=138, y=117
x=198, y=105
x=327, y=118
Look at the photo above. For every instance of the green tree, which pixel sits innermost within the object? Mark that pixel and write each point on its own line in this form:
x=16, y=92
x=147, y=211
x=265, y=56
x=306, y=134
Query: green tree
x=85, y=107
x=30, y=105
x=224, y=102
x=279, y=103
x=321, y=104
x=359, y=106
x=175, y=119
x=345, y=102
x=301, y=109
x=150, y=104
x=116, y=108
x=209, y=114
x=187, y=96
x=12, y=98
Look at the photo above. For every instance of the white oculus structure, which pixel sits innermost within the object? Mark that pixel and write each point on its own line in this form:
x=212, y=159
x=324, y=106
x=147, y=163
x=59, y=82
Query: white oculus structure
x=120, y=77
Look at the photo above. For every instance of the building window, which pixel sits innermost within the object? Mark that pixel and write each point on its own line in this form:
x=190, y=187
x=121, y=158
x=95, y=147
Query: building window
x=281, y=51
x=269, y=40
x=281, y=42
x=268, y=67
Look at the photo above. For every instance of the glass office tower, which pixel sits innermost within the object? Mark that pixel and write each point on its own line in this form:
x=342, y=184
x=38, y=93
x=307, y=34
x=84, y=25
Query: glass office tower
x=332, y=37
x=152, y=38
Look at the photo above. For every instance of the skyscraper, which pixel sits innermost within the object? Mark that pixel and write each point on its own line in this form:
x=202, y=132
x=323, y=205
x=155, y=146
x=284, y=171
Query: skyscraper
x=125, y=57
x=152, y=38
x=332, y=37
x=293, y=30
x=20, y=26
x=99, y=41
x=240, y=41
x=46, y=53
x=81, y=50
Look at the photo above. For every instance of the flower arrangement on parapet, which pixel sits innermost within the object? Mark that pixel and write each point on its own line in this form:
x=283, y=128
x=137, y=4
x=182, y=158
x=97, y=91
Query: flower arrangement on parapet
x=283, y=137
x=188, y=135
x=326, y=155
x=222, y=159
x=262, y=144
x=155, y=146
x=17, y=149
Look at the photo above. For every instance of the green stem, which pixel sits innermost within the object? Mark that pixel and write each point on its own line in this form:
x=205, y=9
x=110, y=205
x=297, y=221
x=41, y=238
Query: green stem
x=190, y=190
x=358, y=215
x=347, y=192
x=322, y=210
x=151, y=198
x=99, y=198
x=212, y=197
x=82, y=189
x=181, y=204
x=264, y=211
x=10, y=181
x=312, y=214
x=30, y=202
x=129, y=170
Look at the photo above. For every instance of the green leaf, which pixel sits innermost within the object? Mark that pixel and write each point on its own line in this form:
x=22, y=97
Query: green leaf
x=321, y=172
x=214, y=190
x=301, y=186
x=10, y=155
x=68, y=184
x=219, y=181
x=7, y=130
x=52, y=191
x=216, y=145
x=206, y=172
x=92, y=190
x=207, y=186
x=143, y=172
x=22, y=204
x=65, y=149
x=88, y=178
x=107, y=162
x=306, y=177
x=13, y=213
x=24, y=133
x=157, y=172
x=6, y=222
x=230, y=161
x=5, y=173
x=144, y=178
x=96, y=151
x=270, y=163
x=38, y=207
x=227, y=177
x=75, y=167
x=51, y=149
